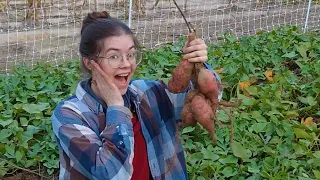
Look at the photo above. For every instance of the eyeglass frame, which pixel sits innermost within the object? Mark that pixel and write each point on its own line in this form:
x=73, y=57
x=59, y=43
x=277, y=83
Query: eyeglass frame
x=122, y=60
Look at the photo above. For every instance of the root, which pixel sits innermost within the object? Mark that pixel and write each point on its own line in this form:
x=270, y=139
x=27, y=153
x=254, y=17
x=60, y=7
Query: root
x=231, y=124
x=229, y=104
x=213, y=133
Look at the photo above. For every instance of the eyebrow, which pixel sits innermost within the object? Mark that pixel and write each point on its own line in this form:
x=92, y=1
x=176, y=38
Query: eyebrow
x=115, y=49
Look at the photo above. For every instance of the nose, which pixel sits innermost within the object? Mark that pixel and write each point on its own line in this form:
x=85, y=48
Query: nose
x=125, y=62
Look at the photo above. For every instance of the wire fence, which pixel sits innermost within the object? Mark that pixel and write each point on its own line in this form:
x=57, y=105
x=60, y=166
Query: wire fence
x=48, y=30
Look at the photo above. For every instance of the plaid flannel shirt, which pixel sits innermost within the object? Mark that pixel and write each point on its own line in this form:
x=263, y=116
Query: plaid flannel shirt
x=96, y=142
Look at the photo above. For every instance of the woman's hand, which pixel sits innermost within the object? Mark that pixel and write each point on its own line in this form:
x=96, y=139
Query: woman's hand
x=104, y=86
x=195, y=50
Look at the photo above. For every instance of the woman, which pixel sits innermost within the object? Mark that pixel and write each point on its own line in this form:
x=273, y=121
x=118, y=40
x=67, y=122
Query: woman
x=115, y=128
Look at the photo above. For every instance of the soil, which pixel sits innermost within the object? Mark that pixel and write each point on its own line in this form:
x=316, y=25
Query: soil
x=316, y=119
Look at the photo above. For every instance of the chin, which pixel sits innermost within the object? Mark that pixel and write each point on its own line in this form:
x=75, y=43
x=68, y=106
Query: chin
x=123, y=90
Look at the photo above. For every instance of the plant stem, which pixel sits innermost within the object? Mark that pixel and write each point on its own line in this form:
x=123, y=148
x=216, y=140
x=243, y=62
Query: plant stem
x=190, y=27
x=24, y=169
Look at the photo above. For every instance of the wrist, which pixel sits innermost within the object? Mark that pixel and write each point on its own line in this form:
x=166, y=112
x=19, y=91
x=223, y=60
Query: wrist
x=115, y=103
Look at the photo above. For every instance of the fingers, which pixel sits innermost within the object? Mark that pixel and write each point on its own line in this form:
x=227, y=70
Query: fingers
x=196, y=56
x=96, y=67
x=106, y=89
x=196, y=41
x=194, y=44
x=196, y=47
x=98, y=73
x=100, y=79
x=191, y=37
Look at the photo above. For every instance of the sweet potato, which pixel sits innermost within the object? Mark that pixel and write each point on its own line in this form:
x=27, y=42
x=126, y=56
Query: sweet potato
x=208, y=85
x=187, y=116
x=181, y=76
x=190, y=95
x=203, y=114
x=200, y=104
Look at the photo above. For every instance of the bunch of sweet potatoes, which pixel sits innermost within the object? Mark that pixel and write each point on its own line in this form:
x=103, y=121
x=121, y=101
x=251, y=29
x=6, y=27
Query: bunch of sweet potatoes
x=201, y=103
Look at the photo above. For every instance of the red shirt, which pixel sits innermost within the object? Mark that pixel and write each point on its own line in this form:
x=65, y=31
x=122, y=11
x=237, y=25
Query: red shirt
x=140, y=158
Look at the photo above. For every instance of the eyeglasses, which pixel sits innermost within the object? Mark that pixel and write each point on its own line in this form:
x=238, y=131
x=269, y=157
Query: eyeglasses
x=115, y=60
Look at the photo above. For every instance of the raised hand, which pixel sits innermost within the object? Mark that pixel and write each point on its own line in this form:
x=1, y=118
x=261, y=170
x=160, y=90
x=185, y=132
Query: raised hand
x=195, y=50
x=103, y=85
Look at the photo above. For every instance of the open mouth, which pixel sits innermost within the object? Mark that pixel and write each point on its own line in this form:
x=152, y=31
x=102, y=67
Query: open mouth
x=122, y=78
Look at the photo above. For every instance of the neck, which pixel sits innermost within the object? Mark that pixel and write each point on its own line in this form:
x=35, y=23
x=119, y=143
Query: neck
x=95, y=90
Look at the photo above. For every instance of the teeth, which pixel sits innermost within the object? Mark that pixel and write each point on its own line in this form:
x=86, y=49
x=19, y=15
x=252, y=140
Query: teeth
x=123, y=74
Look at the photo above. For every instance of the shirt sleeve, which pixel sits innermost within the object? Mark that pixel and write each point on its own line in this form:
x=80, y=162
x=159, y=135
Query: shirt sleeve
x=107, y=155
x=178, y=99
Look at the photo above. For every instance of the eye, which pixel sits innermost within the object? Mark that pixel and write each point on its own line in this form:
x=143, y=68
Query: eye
x=114, y=57
x=132, y=54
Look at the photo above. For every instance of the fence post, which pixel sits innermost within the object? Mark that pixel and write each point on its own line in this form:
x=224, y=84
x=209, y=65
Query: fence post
x=307, y=17
x=130, y=13
x=89, y=2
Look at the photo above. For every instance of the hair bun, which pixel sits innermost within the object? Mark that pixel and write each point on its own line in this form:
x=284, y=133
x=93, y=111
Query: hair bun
x=91, y=17
x=97, y=15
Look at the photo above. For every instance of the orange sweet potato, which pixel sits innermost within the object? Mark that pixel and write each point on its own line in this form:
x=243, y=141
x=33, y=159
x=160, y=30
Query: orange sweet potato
x=190, y=95
x=203, y=114
x=187, y=116
x=181, y=76
x=208, y=85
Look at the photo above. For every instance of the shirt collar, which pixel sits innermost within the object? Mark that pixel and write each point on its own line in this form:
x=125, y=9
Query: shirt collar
x=96, y=104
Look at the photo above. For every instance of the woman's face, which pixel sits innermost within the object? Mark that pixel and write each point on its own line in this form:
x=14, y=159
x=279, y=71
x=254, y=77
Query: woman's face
x=115, y=48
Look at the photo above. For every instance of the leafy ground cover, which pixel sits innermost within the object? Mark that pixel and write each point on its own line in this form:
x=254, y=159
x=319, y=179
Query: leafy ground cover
x=276, y=74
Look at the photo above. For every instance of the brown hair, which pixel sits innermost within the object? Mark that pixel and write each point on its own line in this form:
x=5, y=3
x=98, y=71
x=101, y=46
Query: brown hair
x=96, y=27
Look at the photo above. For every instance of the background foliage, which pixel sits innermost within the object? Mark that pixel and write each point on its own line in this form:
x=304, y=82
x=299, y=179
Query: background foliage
x=276, y=74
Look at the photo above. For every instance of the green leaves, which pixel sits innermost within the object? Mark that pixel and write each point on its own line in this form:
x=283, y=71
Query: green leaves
x=3, y=169
x=300, y=133
x=259, y=127
x=27, y=99
x=188, y=129
x=159, y=63
x=308, y=100
x=35, y=108
x=239, y=151
x=5, y=122
x=4, y=133
x=303, y=48
x=317, y=154
x=290, y=55
x=316, y=174
x=269, y=143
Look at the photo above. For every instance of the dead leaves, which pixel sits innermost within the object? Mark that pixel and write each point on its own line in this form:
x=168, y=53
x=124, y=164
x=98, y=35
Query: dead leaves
x=243, y=85
x=269, y=75
x=218, y=71
x=308, y=121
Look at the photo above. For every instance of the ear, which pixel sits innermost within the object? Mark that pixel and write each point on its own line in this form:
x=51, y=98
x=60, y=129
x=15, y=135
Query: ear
x=87, y=63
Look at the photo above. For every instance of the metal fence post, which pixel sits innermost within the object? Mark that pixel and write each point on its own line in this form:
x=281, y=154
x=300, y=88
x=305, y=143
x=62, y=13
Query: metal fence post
x=130, y=13
x=307, y=17
x=89, y=2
